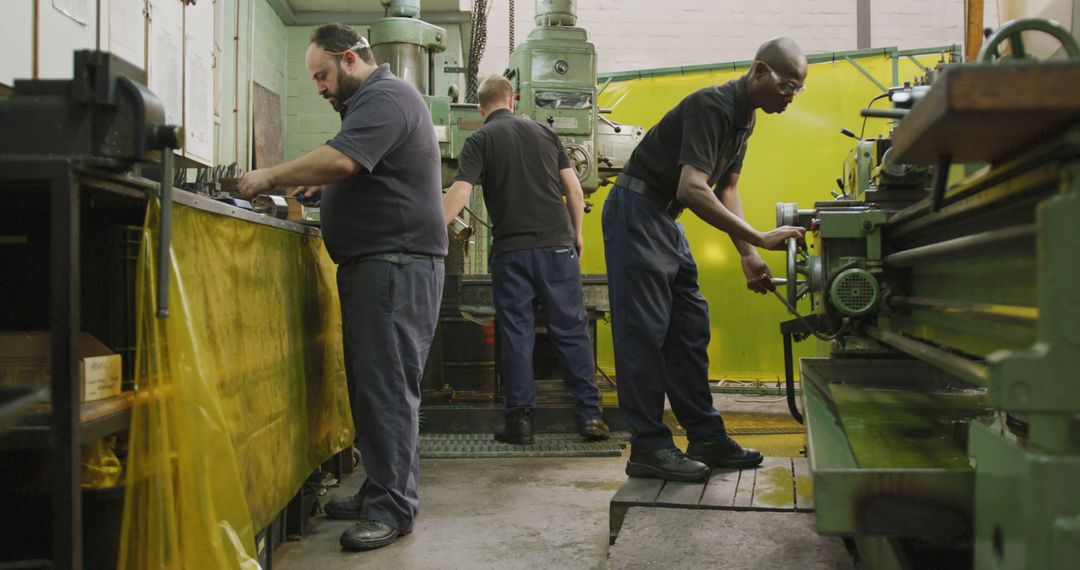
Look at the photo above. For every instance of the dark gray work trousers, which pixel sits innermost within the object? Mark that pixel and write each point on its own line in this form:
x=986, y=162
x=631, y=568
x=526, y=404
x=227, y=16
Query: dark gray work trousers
x=552, y=275
x=389, y=312
x=659, y=323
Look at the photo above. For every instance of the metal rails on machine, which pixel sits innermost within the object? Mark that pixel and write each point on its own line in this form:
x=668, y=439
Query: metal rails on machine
x=943, y=425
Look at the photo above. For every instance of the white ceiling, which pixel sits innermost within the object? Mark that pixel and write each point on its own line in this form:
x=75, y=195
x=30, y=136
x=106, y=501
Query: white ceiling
x=372, y=5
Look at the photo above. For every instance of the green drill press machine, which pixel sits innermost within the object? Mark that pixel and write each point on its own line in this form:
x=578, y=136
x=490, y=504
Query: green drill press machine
x=943, y=427
x=554, y=75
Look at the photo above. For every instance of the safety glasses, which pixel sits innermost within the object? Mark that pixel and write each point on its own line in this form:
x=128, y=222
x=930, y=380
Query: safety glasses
x=788, y=87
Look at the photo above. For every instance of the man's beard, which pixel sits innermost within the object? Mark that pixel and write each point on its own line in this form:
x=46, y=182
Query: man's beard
x=347, y=86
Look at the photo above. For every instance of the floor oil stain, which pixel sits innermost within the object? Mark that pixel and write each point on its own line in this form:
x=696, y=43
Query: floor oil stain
x=773, y=487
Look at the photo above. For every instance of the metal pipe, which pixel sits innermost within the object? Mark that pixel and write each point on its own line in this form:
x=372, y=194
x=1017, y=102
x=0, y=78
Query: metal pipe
x=965, y=369
x=947, y=249
x=789, y=379
x=1011, y=314
x=884, y=113
x=164, y=233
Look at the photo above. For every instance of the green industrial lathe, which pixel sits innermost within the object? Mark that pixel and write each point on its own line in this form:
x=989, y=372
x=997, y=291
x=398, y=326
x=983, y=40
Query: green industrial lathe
x=943, y=427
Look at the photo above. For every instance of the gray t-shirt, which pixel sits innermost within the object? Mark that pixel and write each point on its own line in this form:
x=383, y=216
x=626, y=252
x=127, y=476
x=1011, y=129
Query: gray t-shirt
x=393, y=203
x=518, y=160
x=708, y=130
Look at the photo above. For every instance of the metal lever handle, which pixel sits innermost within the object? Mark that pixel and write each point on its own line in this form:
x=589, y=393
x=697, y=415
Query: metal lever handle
x=164, y=233
x=885, y=113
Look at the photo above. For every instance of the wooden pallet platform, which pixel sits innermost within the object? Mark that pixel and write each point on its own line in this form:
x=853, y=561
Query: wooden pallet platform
x=779, y=484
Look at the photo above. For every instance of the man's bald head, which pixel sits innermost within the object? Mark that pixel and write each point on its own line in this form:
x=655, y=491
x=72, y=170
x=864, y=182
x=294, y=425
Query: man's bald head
x=777, y=75
x=784, y=56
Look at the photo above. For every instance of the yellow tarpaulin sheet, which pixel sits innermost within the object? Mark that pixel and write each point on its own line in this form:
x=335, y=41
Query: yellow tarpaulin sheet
x=240, y=393
x=792, y=157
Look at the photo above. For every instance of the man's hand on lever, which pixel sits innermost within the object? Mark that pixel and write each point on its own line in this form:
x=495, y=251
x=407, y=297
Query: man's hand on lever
x=758, y=275
x=777, y=239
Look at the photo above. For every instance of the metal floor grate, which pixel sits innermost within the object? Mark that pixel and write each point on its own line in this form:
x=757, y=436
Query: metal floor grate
x=478, y=445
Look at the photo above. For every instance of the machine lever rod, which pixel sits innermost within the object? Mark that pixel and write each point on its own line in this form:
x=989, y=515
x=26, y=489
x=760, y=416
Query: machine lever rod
x=1010, y=314
x=941, y=179
x=967, y=370
x=958, y=246
x=164, y=233
x=885, y=113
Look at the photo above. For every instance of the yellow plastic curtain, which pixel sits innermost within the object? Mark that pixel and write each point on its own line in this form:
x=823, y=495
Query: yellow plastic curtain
x=240, y=393
x=792, y=157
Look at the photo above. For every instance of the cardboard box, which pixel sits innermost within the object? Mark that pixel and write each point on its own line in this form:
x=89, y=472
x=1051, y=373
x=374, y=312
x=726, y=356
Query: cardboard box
x=25, y=359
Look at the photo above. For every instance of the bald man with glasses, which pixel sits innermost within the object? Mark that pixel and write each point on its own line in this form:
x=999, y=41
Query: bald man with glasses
x=660, y=320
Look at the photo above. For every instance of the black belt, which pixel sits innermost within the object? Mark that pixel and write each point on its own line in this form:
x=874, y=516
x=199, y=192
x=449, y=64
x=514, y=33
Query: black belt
x=671, y=207
x=395, y=258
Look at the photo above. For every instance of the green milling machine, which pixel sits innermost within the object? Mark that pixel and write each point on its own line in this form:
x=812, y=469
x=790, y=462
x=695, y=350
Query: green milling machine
x=943, y=427
x=554, y=75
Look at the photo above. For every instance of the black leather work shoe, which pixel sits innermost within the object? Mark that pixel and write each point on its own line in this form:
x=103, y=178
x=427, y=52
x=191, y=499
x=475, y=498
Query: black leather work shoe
x=346, y=508
x=724, y=453
x=368, y=535
x=518, y=428
x=669, y=464
x=594, y=430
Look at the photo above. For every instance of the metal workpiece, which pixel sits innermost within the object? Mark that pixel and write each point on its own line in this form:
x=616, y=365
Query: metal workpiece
x=271, y=205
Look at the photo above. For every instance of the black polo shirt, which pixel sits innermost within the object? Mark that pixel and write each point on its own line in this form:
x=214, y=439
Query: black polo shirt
x=393, y=203
x=707, y=130
x=517, y=162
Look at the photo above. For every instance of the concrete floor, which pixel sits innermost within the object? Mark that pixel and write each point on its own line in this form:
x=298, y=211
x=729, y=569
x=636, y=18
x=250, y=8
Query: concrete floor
x=486, y=513
x=524, y=513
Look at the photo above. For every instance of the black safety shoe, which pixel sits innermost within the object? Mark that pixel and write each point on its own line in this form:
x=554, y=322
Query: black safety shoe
x=368, y=535
x=669, y=464
x=724, y=453
x=347, y=508
x=594, y=430
x=518, y=428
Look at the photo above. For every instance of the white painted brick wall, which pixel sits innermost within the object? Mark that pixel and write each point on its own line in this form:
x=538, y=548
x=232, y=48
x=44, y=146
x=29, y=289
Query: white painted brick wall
x=642, y=34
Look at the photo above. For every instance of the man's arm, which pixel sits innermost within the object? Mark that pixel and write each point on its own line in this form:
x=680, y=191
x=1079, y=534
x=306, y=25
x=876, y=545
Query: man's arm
x=695, y=194
x=723, y=210
x=758, y=275
x=575, y=202
x=323, y=165
x=727, y=192
x=455, y=199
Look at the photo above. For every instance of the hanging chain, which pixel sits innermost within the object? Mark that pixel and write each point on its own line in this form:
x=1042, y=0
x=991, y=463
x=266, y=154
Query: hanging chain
x=476, y=48
x=512, y=42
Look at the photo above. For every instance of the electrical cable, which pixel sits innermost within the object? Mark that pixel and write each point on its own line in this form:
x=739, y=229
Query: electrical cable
x=806, y=325
x=863, y=130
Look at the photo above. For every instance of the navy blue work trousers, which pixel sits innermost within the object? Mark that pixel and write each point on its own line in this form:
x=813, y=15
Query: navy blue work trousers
x=552, y=275
x=389, y=312
x=659, y=321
